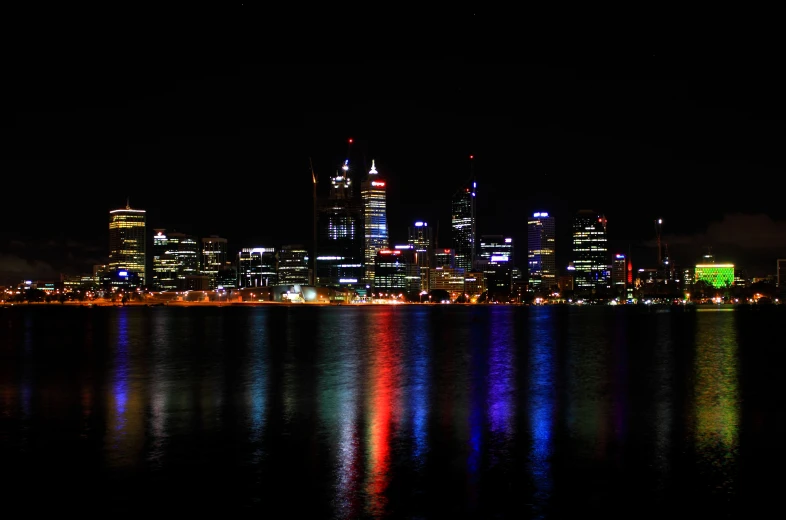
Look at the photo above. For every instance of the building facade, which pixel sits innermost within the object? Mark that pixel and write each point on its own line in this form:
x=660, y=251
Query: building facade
x=463, y=224
x=256, y=267
x=293, y=265
x=340, y=237
x=175, y=259
x=373, y=195
x=495, y=261
x=421, y=238
x=541, y=252
x=214, y=257
x=590, y=253
x=127, y=245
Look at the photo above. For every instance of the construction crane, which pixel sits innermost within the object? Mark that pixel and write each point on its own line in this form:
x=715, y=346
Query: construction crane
x=314, y=202
x=658, y=228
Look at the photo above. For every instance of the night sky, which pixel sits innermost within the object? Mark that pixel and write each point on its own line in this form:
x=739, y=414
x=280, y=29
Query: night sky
x=213, y=135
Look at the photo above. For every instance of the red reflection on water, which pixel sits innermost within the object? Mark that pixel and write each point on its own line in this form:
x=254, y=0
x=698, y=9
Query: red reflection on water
x=382, y=378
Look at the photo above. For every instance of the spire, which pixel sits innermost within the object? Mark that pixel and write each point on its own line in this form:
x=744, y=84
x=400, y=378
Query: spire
x=373, y=170
x=128, y=202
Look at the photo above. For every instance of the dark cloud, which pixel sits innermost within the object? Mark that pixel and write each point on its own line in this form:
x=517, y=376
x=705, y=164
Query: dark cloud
x=752, y=241
x=14, y=269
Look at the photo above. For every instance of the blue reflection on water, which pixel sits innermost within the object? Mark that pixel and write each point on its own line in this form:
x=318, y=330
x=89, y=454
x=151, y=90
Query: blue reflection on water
x=478, y=363
x=419, y=394
x=542, y=402
x=120, y=386
x=502, y=379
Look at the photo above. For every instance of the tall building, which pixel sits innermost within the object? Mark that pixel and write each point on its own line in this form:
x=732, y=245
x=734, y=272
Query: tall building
x=127, y=245
x=256, y=267
x=444, y=258
x=339, y=229
x=619, y=274
x=373, y=195
x=463, y=224
x=495, y=260
x=175, y=258
x=541, y=252
x=780, y=273
x=420, y=237
x=293, y=265
x=590, y=252
x=214, y=257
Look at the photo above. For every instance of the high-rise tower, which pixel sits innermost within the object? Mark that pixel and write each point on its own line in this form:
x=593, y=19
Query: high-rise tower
x=340, y=239
x=421, y=239
x=373, y=195
x=127, y=242
x=590, y=252
x=541, y=252
x=463, y=222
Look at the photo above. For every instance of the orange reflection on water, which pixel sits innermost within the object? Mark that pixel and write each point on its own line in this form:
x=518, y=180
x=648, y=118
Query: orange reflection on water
x=382, y=377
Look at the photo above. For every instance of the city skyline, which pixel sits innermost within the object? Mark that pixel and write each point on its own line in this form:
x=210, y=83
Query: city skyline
x=225, y=148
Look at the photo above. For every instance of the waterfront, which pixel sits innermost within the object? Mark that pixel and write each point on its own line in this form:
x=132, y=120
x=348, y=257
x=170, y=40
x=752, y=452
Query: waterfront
x=395, y=411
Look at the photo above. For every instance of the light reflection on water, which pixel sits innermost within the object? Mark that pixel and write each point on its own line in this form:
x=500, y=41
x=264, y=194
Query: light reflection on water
x=717, y=400
x=390, y=412
x=542, y=397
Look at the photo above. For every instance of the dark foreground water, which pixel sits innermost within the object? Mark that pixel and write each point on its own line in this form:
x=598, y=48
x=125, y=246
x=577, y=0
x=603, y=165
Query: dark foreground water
x=393, y=412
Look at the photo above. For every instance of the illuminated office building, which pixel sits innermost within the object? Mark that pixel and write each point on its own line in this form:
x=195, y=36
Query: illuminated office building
x=541, y=252
x=495, y=261
x=445, y=258
x=422, y=240
x=590, y=252
x=339, y=230
x=619, y=274
x=127, y=245
x=463, y=224
x=293, y=265
x=256, y=267
x=716, y=275
x=397, y=274
x=175, y=258
x=214, y=257
x=373, y=195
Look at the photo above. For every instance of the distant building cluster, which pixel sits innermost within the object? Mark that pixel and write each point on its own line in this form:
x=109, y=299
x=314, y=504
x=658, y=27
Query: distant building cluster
x=351, y=254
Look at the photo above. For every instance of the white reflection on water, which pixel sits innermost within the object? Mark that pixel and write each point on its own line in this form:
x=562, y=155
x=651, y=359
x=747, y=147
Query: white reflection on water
x=338, y=401
x=256, y=383
x=717, y=399
x=542, y=394
x=663, y=399
x=160, y=386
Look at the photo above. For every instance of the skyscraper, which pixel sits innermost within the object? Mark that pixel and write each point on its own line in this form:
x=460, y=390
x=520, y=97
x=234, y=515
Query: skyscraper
x=175, y=257
x=495, y=260
x=373, y=195
x=340, y=239
x=590, y=252
x=214, y=257
x=463, y=224
x=541, y=252
x=421, y=239
x=127, y=245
